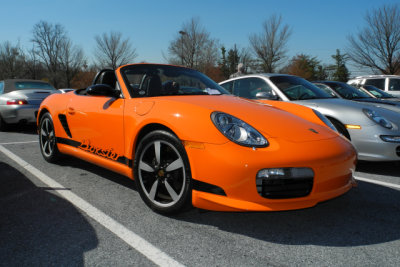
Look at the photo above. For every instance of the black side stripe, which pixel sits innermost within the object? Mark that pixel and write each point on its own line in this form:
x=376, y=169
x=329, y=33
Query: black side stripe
x=121, y=159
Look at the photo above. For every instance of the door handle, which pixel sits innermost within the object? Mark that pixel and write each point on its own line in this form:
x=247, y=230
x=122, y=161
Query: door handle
x=71, y=111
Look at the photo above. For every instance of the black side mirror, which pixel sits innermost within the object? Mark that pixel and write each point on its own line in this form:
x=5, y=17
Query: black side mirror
x=266, y=95
x=102, y=90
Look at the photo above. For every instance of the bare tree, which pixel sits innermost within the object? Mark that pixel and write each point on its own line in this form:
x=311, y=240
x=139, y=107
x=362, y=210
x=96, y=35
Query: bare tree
x=269, y=47
x=112, y=51
x=72, y=60
x=377, y=46
x=34, y=68
x=12, y=60
x=49, y=41
x=193, y=47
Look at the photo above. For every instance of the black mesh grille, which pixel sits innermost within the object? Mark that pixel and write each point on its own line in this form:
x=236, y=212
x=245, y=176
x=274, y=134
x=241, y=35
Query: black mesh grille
x=398, y=151
x=284, y=187
x=64, y=123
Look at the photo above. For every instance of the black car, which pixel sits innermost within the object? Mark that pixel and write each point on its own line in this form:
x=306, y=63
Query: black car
x=378, y=93
x=346, y=91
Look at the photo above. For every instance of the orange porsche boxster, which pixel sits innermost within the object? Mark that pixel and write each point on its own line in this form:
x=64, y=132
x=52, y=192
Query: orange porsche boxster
x=185, y=140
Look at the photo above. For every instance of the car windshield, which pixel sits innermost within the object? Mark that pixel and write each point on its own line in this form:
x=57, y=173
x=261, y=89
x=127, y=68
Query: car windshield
x=326, y=88
x=296, y=88
x=377, y=92
x=346, y=91
x=163, y=80
x=33, y=85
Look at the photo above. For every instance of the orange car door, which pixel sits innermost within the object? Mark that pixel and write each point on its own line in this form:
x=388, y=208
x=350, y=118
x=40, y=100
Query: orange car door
x=97, y=123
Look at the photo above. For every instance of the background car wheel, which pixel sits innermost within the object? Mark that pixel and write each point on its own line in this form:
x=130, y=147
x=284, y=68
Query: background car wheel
x=47, y=139
x=162, y=173
x=3, y=124
x=341, y=128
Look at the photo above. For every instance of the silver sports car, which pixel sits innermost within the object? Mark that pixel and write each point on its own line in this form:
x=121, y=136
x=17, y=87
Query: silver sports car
x=20, y=100
x=374, y=131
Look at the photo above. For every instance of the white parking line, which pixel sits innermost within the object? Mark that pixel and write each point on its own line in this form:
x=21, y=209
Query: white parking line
x=397, y=186
x=138, y=243
x=17, y=143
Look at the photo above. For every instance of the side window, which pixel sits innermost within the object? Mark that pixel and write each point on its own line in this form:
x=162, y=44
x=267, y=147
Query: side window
x=394, y=84
x=1, y=88
x=380, y=83
x=251, y=87
x=228, y=86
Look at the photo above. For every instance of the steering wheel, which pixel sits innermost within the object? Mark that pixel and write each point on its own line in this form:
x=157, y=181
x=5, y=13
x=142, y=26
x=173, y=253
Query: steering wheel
x=303, y=96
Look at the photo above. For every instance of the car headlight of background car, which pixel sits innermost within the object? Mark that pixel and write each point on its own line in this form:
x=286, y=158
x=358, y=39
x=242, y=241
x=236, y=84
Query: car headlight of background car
x=376, y=117
x=325, y=120
x=237, y=130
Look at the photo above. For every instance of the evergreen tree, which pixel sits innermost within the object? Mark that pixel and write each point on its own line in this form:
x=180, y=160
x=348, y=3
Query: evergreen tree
x=340, y=71
x=233, y=59
x=224, y=65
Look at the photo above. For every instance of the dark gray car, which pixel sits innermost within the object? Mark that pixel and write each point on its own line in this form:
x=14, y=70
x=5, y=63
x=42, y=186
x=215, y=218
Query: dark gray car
x=20, y=100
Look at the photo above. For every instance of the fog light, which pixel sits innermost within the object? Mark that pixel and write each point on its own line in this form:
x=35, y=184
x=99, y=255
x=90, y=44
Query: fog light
x=285, y=173
x=390, y=138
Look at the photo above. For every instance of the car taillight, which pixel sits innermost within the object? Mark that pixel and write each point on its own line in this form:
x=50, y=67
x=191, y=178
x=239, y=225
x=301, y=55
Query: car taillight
x=17, y=102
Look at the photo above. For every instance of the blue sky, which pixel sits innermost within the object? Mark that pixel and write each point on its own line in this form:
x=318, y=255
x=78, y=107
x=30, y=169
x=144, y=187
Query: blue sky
x=319, y=27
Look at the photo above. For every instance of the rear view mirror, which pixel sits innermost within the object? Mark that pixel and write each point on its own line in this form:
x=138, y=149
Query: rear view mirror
x=102, y=90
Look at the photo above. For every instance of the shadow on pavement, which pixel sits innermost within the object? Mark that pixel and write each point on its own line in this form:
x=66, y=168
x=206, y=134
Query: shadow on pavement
x=22, y=128
x=367, y=215
x=379, y=168
x=38, y=228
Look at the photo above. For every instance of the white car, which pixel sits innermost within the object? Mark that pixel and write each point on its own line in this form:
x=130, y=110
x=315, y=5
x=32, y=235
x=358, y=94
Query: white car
x=387, y=83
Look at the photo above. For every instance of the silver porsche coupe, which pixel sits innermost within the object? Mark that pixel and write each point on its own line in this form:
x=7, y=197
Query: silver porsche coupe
x=20, y=100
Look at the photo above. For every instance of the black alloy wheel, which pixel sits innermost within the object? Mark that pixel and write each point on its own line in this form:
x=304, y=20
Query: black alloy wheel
x=47, y=139
x=162, y=172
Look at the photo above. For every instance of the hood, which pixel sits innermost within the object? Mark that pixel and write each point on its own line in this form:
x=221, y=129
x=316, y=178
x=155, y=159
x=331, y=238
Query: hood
x=351, y=112
x=378, y=101
x=269, y=120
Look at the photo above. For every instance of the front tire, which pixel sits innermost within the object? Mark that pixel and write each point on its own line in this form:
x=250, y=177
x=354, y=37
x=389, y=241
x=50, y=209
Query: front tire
x=162, y=172
x=47, y=139
x=341, y=128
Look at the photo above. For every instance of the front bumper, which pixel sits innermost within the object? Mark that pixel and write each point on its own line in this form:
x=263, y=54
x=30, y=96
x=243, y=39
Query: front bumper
x=233, y=168
x=19, y=113
x=371, y=147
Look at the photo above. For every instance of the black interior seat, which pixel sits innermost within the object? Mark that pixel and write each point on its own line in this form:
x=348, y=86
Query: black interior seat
x=108, y=77
x=153, y=86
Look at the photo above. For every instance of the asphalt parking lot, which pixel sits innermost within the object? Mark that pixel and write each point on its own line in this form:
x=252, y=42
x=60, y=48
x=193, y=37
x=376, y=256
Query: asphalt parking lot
x=76, y=214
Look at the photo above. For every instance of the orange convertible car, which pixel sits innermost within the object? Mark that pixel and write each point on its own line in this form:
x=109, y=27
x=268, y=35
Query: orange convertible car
x=185, y=140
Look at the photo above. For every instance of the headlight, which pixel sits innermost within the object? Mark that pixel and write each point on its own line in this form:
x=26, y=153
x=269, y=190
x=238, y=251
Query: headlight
x=237, y=130
x=325, y=120
x=374, y=116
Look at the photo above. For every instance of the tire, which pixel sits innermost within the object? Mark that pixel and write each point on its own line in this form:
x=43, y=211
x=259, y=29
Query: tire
x=47, y=139
x=162, y=173
x=341, y=128
x=3, y=125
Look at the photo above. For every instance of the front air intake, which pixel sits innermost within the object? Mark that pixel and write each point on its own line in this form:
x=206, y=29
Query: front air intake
x=281, y=183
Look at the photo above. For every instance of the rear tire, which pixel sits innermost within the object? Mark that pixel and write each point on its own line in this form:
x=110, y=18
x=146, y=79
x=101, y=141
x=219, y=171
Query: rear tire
x=162, y=173
x=3, y=125
x=47, y=139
